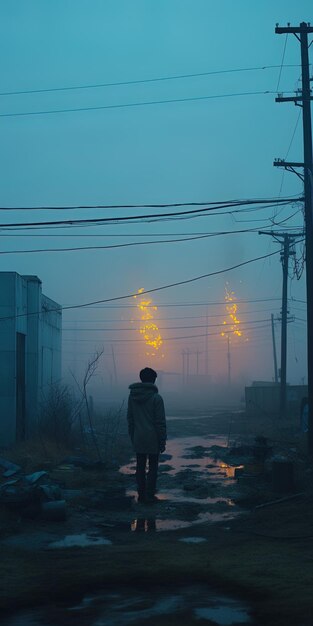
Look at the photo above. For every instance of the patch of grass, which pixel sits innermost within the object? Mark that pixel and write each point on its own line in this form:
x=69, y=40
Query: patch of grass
x=252, y=568
x=34, y=453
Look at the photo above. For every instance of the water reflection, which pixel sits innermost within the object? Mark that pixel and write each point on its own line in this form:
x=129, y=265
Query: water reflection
x=188, y=452
x=143, y=525
x=130, y=607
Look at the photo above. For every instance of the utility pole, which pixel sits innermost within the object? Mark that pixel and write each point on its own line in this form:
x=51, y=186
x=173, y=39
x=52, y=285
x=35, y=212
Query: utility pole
x=228, y=361
x=187, y=366
x=206, y=358
x=114, y=365
x=184, y=370
x=287, y=241
x=274, y=349
x=303, y=98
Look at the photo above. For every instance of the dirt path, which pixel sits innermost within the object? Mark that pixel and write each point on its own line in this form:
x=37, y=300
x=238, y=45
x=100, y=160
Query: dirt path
x=197, y=533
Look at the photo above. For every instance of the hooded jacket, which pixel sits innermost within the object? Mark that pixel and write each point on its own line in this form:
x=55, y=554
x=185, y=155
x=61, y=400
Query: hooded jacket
x=146, y=418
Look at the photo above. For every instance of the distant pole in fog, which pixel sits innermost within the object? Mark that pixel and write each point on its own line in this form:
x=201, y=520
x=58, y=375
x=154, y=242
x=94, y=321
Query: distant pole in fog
x=187, y=367
x=287, y=241
x=206, y=360
x=197, y=370
x=184, y=371
x=274, y=350
x=228, y=361
x=114, y=365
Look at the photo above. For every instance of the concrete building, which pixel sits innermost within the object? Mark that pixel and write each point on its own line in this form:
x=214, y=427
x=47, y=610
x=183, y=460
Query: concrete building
x=30, y=353
x=263, y=399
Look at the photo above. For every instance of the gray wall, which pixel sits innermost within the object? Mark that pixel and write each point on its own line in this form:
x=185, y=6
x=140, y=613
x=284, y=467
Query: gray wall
x=264, y=400
x=20, y=295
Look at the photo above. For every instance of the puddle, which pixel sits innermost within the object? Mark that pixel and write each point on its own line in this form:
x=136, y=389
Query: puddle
x=180, y=450
x=154, y=524
x=223, y=615
x=193, y=539
x=187, y=490
x=80, y=541
x=182, y=496
x=120, y=607
x=148, y=524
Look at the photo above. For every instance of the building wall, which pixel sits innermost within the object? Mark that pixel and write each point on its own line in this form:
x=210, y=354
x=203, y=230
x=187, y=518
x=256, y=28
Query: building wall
x=41, y=335
x=51, y=341
x=32, y=350
x=264, y=400
x=8, y=294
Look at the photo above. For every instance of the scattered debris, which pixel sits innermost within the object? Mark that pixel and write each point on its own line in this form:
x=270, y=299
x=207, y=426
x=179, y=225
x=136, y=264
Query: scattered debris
x=285, y=499
x=8, y=465
x=31, y=495
x=35, y=477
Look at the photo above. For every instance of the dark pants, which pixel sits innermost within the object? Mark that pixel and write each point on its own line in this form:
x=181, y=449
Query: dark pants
x=147, y=483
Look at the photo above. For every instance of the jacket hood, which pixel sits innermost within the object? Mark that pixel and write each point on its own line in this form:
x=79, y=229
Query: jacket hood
x=141, y=392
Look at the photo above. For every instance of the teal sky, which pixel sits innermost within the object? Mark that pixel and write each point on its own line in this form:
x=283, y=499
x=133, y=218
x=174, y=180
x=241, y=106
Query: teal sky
x=207, y=150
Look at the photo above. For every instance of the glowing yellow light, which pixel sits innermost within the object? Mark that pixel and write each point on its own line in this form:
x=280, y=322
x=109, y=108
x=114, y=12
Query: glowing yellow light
x=231, y=309
x=149, y=329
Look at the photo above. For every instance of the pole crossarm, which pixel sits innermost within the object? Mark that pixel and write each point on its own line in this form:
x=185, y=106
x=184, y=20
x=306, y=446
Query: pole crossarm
x=276, y=234
x=283, y=163
x=303, y=28
x=293, y=99
x=289, y=166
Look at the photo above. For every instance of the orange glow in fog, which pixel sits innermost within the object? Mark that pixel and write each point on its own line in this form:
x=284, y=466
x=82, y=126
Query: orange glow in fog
x=148, y=328
x=232, y=322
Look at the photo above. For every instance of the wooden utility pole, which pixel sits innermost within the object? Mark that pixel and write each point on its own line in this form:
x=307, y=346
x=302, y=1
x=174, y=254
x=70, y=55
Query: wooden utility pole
x=287, y=241
x=303, y=98
x=228, y=362
x=274, y=350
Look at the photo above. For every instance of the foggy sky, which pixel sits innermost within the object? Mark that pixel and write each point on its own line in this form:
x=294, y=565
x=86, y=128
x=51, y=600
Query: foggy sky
x=206, y=150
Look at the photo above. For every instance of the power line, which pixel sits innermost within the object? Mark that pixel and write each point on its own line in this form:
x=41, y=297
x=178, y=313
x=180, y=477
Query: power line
x=131, y=244
x=122, y=235
x=141, y=81
x=221, y=324
x=166, y=339
x=165, y=319
x=187, y=304
x=163, y=205
x=282, y=63
x=129, y=218
x=132, y=295
x=181, y=304
x=140, y=104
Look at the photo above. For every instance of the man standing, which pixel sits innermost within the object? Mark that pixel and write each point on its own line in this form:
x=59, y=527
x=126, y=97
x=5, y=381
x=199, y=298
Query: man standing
x=147, y=430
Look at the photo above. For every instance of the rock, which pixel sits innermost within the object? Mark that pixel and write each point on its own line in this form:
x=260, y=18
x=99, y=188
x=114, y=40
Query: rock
x=35, y=477
x=7, y=465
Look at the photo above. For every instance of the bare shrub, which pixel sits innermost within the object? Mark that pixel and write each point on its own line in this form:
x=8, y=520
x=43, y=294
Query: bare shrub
x=106, y=430
x=90, y=371
x=57, y=414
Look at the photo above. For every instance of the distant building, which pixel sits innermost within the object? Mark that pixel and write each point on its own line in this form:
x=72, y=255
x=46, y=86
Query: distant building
x=263, y=399
x=30, y=353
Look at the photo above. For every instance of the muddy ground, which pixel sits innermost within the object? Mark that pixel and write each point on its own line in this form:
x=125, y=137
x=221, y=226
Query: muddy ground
x=208, y=533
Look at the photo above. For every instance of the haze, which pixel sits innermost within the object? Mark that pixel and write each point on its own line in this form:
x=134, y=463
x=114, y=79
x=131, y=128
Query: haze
x=155, y=152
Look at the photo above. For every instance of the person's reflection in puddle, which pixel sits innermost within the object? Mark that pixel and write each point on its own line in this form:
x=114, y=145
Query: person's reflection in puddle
x=143, y=525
